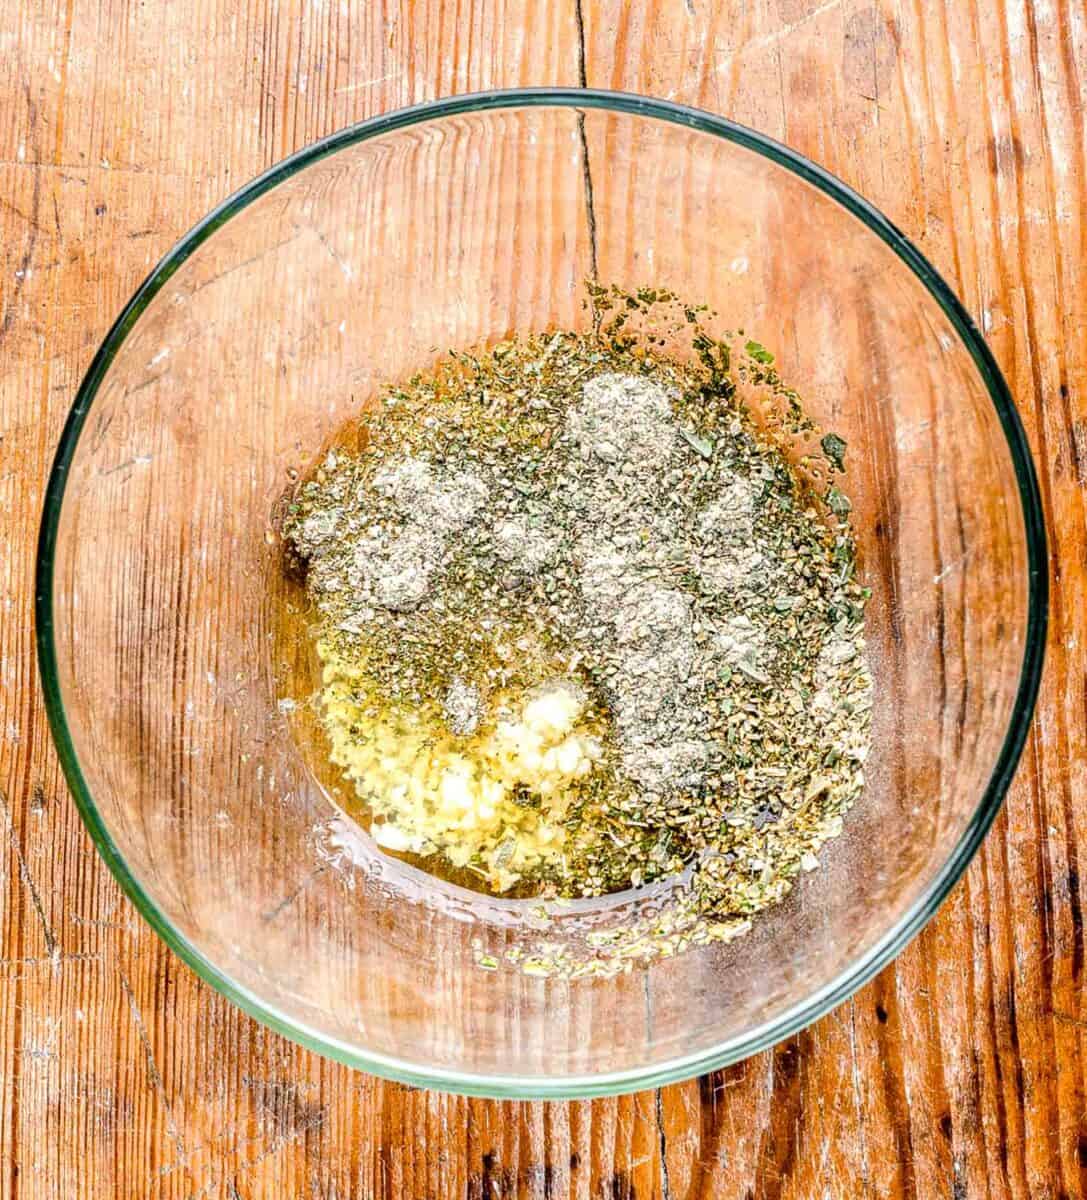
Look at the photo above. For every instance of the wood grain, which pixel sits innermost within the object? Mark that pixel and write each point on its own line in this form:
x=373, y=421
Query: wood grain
x=960, y=1071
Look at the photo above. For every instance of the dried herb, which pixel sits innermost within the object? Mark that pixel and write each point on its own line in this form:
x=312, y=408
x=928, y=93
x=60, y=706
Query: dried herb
x=834, y=448
x=838, y=502
x=759, y=353
x=583, y=626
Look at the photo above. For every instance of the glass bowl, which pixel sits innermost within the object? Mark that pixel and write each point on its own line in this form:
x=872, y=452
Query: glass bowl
x=357, y=261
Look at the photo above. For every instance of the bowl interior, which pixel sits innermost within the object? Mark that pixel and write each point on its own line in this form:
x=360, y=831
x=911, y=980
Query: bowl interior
x=281, y=319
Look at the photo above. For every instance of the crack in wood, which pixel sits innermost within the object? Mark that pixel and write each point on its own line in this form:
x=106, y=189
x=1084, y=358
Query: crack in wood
x=666, y=1187
x=586, y=168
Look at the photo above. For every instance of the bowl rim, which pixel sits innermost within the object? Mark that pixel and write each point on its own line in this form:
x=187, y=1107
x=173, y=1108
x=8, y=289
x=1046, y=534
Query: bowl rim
x=859, y=972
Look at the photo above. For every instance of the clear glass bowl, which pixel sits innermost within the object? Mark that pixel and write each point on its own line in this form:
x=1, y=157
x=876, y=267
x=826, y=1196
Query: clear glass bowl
x=355, y=262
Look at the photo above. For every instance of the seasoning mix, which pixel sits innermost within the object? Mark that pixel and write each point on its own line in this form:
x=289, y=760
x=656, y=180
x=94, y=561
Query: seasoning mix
x=586, y=623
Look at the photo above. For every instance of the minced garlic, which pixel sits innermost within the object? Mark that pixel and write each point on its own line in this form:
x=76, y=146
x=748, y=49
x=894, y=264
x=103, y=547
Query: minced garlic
x=431, y=792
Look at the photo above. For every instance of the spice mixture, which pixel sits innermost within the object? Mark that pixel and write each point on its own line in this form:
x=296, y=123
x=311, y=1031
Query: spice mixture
x=583, y=626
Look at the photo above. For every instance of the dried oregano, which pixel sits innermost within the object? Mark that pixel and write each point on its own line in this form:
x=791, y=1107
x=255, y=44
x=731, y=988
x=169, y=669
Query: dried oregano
x=583, y=625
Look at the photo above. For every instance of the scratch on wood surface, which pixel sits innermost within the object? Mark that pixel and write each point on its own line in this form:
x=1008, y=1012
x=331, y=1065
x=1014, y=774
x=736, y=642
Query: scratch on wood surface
x=1068, y=1019
x=955, y=564
x=222, y=1141
x=723, y=56
x=53, y=960
x=62, y=79
x=368, y=83
x=26, y=218
x=781, y=92
x=152, y=1069
x=247, y=1166
x=22, y=272
x=102, y=923
x=51, y=943
x=858, y=1092
x=281, y=906
x=43, y=1050
x=337, y=258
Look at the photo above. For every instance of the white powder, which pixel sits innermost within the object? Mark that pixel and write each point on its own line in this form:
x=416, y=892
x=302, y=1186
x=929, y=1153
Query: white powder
x=446, y=502
x=624, y=418
x=728, y=560
x=527, y=547
x=740, y=641
x=435, y=506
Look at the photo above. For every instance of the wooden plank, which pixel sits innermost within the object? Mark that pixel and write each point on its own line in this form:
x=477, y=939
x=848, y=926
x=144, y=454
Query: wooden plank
x=969, y=1081
x=961, y=1070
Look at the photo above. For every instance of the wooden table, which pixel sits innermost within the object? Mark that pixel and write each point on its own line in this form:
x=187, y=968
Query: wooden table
x=960, y=1072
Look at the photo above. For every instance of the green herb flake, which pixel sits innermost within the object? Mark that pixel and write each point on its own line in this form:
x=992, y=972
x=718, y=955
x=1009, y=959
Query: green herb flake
x=838, y=502
x=759, y=353
x=702, y=446
x=834, y=448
